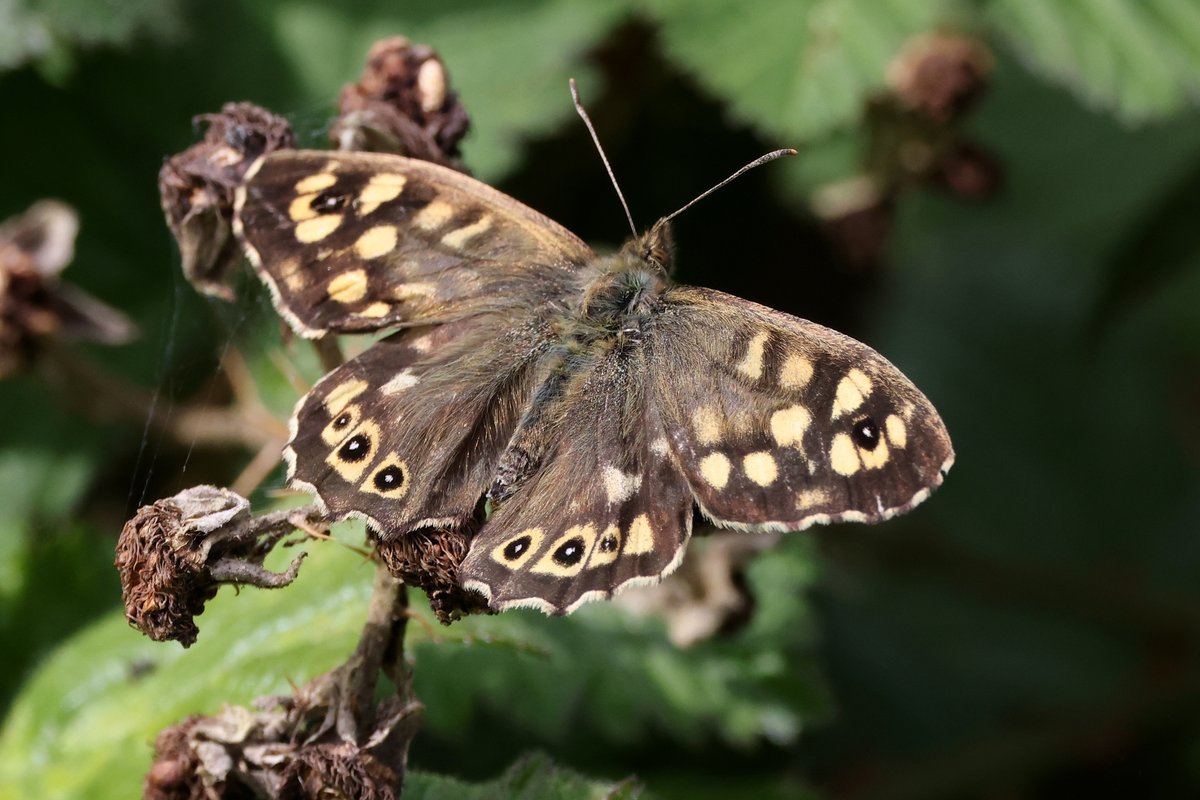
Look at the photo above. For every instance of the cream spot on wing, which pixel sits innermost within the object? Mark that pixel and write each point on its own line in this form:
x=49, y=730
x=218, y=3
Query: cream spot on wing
x=433, y=215
x=619, y=485
x=659, y=446
x=608, y=546
x=403, y=380
x=317, y=228
x=788, y=426
x=382, y=188
x=342, y=394
x=706, y=421
x=811, y=498
x=751, y=364
x=296, y=282
x=315, y=183
x=459, y=237
x=874, y=459
x=852, y=391
x=796, y=372
x=375, y=311
x=760, y=467
x=377, y=241
x=843, y=455
x=422, y=344
x=349, y=287
x=514, y=551
x=407, y=291
x=715, y=468
x=641, y=536
x=567, y=555
x=301, y=208
x=897, y=433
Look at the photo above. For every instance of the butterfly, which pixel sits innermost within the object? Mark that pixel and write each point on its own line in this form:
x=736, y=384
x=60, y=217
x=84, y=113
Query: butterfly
x=566, y=410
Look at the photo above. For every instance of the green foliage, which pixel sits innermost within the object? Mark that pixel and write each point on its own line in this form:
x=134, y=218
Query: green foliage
x=1042, y=602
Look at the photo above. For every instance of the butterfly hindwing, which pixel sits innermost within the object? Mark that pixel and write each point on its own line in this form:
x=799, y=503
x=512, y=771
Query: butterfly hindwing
x=407, y=434
x=604, y=508
x=352, y=242
x=780, y=423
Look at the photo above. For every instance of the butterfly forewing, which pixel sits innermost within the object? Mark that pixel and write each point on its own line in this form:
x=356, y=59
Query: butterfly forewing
x=351, y=242
x=779, y=423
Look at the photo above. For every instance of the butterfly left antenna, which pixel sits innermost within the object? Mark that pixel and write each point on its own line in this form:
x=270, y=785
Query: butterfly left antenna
x=596, y=139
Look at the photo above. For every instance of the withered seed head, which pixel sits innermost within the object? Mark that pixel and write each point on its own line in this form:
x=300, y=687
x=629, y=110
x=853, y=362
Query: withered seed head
x=35, y=247
x=402, y=104
x=429, y=559
x=173, y=555
x=940, y=74
x=196, y=189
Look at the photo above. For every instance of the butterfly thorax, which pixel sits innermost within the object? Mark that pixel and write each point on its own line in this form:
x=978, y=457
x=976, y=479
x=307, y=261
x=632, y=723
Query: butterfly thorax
x=627, y=285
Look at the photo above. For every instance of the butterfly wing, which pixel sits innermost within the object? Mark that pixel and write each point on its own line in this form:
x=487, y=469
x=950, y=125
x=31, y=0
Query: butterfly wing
x=605, y=508
x=351, y=242
x=779, y=423
x=407, y=434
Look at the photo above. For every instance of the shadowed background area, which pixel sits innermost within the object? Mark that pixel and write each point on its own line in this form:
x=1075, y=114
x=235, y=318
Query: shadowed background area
x=999, y=196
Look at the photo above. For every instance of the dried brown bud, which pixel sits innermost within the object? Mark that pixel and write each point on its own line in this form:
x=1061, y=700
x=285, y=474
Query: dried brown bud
x=429, y=559
x=284, y=748
x=196, y=188
x=35, y=247
x=336, y=770
x=174, y=554
x=402, y=104
x=940, y=75
x=969, y=171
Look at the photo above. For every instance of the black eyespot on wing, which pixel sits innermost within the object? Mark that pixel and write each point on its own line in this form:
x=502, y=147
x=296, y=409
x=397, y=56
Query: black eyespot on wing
x=389, y=478
x=516, y=548
x=356, y=449
x=569, y=553
x=342, y=421
x=608, y=543
x=866, y=434
x=329, y=202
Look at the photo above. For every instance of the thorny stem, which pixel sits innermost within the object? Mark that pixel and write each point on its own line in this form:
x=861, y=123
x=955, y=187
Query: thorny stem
x=380, y=649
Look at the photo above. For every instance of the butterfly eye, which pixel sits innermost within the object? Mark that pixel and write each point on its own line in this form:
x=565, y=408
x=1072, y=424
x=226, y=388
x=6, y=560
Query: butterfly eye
x=356, y=449
x=328, y=202
x=516, y=548
x=389, y=478
x=569, y=552
x=866, y=434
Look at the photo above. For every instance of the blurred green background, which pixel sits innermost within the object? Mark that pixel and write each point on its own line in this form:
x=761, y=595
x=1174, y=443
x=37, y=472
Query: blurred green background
x=1033, y=631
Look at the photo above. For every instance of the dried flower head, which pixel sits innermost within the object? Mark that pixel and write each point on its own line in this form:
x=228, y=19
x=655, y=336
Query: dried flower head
x=284, y=747
x=196, y=189
x=402, y=104
x=35, y=247
x=174, y=554
x=940, y=75
x=429, y=559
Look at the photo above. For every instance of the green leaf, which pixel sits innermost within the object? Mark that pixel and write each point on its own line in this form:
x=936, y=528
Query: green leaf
x=1140, y=58
x=599, y=675
x=534, y=777
x=50, y=29
x=799, y=69
x=509, y=62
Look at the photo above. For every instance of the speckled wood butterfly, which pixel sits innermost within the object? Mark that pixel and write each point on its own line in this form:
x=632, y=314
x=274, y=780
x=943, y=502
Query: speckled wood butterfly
x=567, y=409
